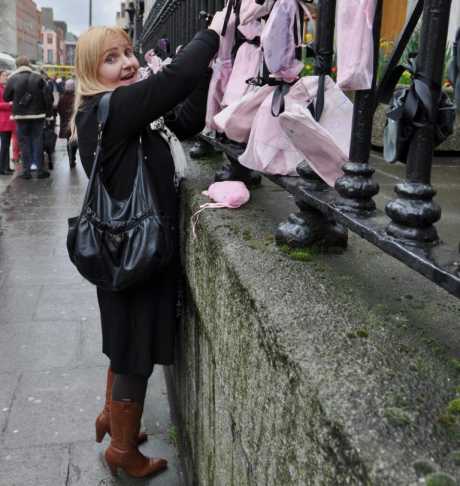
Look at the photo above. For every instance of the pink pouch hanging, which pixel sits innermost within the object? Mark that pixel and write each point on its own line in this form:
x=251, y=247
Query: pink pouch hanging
x=279, y=43
x=325, y=144
x=269, y=149
x=246, y=65
x=355, y=44
x=236, y=119
x=250, y=10
x=222, y=68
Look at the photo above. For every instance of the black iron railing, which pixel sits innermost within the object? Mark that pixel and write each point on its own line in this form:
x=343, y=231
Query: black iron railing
x=406, y=228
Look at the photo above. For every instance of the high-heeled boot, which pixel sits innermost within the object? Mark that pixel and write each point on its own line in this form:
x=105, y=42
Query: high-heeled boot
x=123, y=452
x=103, y=419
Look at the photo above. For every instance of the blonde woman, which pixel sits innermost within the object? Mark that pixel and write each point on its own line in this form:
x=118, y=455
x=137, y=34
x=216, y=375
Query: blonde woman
x=137, y=323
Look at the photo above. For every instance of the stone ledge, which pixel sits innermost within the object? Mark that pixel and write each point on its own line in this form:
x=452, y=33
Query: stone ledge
x=333, y=371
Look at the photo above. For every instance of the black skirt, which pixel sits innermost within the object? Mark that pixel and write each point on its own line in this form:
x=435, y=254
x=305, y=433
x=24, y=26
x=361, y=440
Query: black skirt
x=138, y=324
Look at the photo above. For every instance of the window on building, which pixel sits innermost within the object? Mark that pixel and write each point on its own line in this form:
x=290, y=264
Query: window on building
x=49, y=38
x=50, y=56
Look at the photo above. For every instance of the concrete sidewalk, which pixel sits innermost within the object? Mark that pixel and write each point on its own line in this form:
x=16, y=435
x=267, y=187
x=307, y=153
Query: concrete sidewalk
x=52, y=371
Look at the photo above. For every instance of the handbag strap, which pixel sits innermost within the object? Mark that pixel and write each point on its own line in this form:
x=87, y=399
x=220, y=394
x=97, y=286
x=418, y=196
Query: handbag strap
x=102, y=117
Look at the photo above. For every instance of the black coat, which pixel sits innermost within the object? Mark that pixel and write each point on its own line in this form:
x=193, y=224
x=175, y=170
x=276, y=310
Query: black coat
x=138, y=324
x=29, y=93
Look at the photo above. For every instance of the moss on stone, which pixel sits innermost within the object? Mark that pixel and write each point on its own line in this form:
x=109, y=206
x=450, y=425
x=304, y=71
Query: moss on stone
x=298, y=254
x=440, y=479
x=455, y=363
x=172, y=435
x=397, y=416
x=246, y=235
x=454, y=456
x=362, y=333
x=423, y=467
x=454, y=407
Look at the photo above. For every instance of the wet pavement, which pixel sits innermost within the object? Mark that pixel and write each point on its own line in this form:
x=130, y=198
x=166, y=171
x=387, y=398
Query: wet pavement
x=52, y=371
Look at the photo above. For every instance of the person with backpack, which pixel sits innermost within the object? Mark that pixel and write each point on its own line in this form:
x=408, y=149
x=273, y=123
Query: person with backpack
x=138, y=322
x=31, y=104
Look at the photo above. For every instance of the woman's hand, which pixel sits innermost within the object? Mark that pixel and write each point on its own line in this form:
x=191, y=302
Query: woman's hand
x=217, y=22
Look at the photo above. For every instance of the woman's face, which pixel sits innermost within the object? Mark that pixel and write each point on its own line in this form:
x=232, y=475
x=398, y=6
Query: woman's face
x=3, y=77
x=119, y=64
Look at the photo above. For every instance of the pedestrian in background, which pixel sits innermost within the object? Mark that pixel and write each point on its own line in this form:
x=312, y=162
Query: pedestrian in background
x=65, y=110
x=138, y=323
x=7, y=127
x=31, y=104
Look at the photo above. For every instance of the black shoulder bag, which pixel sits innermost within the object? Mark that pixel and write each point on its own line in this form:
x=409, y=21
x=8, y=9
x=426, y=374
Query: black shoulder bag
x=118, y=244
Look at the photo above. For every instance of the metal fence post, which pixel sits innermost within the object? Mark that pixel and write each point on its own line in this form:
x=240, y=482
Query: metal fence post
x=414, y=212
x=356, y=187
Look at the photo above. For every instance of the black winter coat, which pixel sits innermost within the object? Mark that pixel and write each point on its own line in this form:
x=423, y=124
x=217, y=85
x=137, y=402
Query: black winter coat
x=29, y=94
x=138, y=324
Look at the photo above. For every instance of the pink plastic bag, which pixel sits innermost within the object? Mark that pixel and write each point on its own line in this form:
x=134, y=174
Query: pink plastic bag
x=250, y=10
x=355, y=45
x=325, y=144
x=236, y=119
x=278, y=40
x=247, y=64
x=222, y=68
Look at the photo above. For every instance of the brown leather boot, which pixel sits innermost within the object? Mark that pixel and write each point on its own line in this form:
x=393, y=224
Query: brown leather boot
x=123, y=451
x=103, y=419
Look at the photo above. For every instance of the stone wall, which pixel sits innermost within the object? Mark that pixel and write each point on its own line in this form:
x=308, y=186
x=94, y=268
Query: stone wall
x=334, y=370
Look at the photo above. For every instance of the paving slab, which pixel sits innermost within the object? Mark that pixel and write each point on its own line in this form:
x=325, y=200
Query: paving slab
x=55, y=406
x=38, y=345
x=8, y=385
x=18, y=303
x=35, y=466
x=66, y=302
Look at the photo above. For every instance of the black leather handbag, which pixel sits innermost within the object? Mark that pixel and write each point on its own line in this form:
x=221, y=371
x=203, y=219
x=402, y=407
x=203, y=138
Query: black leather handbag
x=118, y=244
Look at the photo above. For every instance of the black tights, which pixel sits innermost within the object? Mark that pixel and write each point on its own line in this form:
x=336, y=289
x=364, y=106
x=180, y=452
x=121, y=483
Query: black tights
x=129, y=387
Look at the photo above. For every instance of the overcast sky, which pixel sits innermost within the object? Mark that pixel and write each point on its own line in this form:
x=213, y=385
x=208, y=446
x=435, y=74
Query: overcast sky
x=76, y=12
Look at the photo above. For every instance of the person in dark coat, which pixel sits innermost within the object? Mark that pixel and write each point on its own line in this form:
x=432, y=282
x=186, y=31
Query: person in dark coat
x=31, y=104
x=138, y=323
x=65, y=110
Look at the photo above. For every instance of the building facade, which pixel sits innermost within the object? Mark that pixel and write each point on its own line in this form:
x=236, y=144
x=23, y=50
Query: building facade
x=8, y=36
x=28, y=29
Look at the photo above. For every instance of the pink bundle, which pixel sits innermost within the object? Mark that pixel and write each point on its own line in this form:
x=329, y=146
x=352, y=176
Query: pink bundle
x=250, y=10
x=278, y=40
x=278, y=144
x=222, y=68
x=355, y=45
x=324, y=144
x=269, y=149
x=236, y=119
x=247, y=64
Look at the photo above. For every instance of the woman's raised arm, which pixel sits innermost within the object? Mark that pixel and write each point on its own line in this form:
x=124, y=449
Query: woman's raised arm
x=133, y=107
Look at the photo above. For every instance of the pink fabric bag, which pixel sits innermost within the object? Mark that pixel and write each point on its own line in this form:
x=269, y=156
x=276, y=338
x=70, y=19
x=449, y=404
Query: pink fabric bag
x=225, y=194
x=228, y=194
x=278, y=40
x=247, y=64
x=222, y=68
x=236, y=120
x=269, y=149
x=325, y=145
x=355, y=45
x=250, y=10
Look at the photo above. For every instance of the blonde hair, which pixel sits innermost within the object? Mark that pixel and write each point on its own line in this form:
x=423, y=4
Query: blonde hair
x=88, y=57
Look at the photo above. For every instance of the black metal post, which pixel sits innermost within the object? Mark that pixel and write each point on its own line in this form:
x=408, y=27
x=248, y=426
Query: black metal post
x=324, y=53
x=138, y=26
x=356, y=187
x=414, y=212
x=310, y=226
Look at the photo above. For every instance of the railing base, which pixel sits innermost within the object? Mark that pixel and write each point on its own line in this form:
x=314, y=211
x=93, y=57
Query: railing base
x=310, y=228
